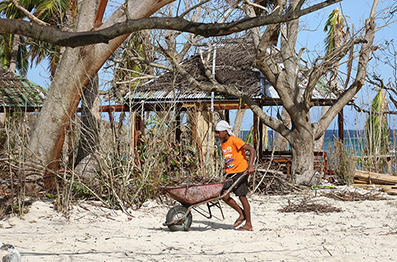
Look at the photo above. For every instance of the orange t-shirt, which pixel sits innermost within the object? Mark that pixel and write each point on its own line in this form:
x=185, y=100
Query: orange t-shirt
x=235, y=158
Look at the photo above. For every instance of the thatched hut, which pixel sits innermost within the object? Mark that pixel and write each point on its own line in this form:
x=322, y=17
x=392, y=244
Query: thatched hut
x=18, y=94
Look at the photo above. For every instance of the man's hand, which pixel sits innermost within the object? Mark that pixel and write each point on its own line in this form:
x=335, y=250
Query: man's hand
x=250, y=170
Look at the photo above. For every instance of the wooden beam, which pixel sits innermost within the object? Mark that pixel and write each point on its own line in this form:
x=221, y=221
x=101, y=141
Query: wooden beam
x=375, y=178
x=341, y=131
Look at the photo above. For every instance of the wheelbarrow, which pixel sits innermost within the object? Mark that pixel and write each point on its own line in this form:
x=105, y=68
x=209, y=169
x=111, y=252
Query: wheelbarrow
x=179, y=218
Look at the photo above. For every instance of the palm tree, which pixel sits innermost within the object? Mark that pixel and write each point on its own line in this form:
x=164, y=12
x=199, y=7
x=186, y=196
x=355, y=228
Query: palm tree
x=12, y=51
x=52, y=12
x=376, y=130
x=335, y=28
x=335, y=31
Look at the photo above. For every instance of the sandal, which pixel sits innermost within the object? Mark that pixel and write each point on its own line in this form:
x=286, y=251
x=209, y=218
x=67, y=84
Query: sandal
x=238, y=222
x=244, y=229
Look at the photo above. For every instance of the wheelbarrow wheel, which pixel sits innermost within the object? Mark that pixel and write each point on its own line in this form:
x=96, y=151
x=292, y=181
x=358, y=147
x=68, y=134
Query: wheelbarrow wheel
x=176, y=213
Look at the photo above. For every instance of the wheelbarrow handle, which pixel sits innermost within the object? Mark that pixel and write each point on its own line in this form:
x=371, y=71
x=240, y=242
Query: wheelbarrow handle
x=235, y=183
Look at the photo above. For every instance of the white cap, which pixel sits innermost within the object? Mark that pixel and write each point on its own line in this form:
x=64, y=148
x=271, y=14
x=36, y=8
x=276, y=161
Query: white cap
x=224, y=126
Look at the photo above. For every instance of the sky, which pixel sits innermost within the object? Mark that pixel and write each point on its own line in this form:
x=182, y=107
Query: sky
x=312, y=37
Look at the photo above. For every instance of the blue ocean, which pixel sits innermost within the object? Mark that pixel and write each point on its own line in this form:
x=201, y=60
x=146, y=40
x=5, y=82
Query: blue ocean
x=354, y=140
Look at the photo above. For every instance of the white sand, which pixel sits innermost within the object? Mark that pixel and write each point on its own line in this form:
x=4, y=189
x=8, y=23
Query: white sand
x=364, y=231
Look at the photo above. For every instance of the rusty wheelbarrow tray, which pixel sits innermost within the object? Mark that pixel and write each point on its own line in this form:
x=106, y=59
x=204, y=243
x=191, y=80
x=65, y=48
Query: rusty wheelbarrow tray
x=191, y=197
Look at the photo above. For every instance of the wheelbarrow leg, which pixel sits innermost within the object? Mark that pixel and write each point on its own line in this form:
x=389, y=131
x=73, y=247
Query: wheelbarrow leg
x=216, y=204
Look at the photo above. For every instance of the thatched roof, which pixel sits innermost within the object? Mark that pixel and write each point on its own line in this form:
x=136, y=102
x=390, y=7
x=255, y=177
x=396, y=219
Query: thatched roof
x=233, y=67
x=18, y=92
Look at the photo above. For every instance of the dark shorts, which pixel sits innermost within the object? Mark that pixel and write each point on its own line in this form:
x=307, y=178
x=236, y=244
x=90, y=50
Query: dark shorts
x=241, y=189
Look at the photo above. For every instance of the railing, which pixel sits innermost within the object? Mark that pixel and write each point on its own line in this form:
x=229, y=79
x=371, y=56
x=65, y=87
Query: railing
x=282, y=159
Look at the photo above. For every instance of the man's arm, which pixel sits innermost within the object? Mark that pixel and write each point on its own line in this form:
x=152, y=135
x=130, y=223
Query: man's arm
x=250, y=149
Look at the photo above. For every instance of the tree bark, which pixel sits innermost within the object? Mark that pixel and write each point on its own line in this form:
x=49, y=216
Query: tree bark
x=89, y=121
x=238, y=121
x=14, y=53
x=302, y=166
x=319, y=143
x=280, y=142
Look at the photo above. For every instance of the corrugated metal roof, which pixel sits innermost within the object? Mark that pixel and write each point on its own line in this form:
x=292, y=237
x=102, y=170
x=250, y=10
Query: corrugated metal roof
x=17, y=91
x=264, y=90
x=173, y=95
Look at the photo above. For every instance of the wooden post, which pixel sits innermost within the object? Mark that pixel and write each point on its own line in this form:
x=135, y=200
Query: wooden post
x=341, y=133
x=255, y=131
x=139, y=128
x=260, y=139
x=178, y=131
x=133, y=130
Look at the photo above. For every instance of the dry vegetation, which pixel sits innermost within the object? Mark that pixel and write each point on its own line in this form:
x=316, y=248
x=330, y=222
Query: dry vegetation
x=117, y=175
x=308, y=204
x=123, y=178
x=341, y=162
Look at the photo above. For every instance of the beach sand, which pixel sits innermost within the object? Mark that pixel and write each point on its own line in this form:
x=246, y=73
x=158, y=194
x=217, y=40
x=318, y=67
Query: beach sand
x=363, y=231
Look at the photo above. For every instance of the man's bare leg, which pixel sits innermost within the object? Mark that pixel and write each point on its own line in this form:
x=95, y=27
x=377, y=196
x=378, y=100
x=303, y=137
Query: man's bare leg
x=247, y=213
x=230, y=201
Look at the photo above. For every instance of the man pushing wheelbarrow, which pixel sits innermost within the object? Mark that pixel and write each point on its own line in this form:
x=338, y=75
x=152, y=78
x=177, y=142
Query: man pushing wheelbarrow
x=233, y=149
x=191, y=197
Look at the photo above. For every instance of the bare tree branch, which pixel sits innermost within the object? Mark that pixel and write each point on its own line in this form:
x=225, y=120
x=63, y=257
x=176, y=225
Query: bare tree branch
x=74, y=39
x=257, y=6
x=193, y=7
x=360, y=109
x=331, y=59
